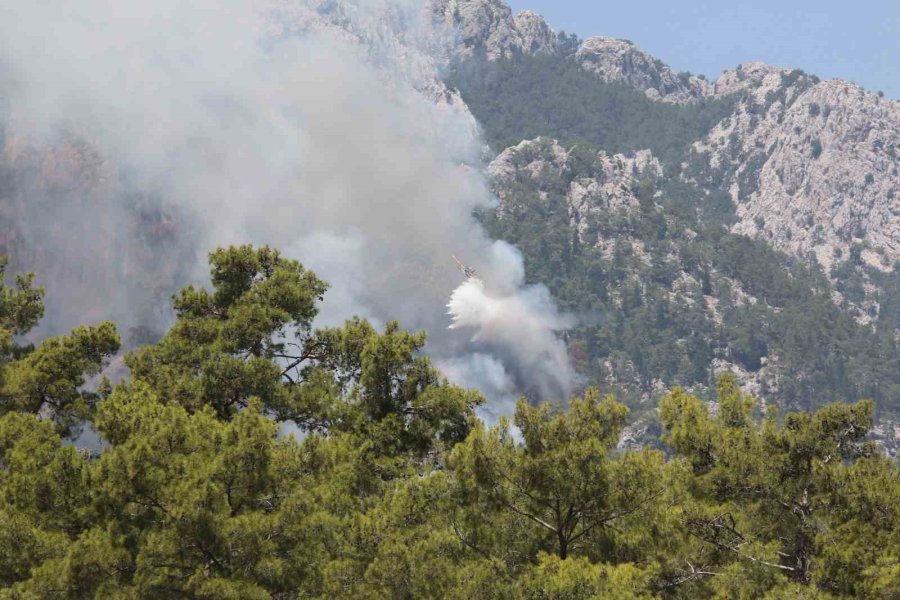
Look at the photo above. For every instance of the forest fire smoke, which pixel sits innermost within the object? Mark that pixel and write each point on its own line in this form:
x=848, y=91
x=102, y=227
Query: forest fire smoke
x=522, y=324
x=318, y=128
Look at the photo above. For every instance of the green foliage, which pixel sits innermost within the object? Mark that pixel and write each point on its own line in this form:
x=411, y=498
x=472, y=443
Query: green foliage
x=816, y=148
x=772, y=495
x=251, y=338
x=556, y=479
x=50, y=378
x=395, y=489
x=20, y=308
x=222, y=350
x=52, y=375
x=551, y=95
x=197, y=495
x=579, y=579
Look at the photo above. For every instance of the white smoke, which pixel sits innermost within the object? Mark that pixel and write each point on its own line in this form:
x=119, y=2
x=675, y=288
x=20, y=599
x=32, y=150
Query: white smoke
x=318, y=127
x=487, y=374
x=520, y=321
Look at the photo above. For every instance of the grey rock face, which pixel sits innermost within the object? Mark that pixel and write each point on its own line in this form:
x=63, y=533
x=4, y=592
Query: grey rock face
x=488, y=27
x=812, y=165
x=536, y=35
x=750, y=76
x=621, y=61
x=609, y=185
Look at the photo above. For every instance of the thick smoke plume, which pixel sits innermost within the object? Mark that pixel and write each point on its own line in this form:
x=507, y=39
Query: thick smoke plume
x=317, y=127
x=520, y=322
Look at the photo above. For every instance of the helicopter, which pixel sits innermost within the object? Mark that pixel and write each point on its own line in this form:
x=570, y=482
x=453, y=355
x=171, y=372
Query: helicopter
x=469, y=272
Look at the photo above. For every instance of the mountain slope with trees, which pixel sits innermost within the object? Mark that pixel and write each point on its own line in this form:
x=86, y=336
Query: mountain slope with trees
x=672, y=279
x=666, y=295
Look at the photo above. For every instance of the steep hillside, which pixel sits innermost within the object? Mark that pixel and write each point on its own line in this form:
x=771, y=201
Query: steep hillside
x=487, y=29
x=744, y=224
x=551, y=95
x=666, y=296
x=811, y=165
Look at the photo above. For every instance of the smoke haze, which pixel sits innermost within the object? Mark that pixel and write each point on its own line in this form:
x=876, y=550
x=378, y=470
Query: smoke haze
x=316, y=127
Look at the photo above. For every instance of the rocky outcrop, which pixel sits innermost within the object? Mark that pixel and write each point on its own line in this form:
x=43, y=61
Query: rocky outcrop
x=534, y=156
x=811, y=165
x=610, y=186
x=755, y=77
x=607, y=186
x=536, y=36
x=621, y=61
x=488, y=29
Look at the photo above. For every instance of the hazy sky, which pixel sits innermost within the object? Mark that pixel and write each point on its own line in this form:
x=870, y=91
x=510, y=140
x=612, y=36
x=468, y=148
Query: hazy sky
x=857, y=40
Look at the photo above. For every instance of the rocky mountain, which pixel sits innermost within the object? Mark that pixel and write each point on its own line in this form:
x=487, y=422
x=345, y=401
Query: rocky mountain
x=662, y=298
x=488, y=29
x=622, y=61
x=758, y=235
x=811, y=165
x=607, y=187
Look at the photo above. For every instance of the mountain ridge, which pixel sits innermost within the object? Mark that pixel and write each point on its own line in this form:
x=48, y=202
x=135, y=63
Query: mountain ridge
x=851, y=135
x=681, y=238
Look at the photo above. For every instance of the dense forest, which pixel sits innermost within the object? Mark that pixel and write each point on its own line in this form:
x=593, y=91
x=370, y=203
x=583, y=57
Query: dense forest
x=393, y=488
x=637, y=321
x=551, y=95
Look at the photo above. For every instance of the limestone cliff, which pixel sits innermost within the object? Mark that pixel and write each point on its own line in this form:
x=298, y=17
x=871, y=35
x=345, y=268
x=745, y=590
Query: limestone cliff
x=622, y=61
x=488, y=29
x=811, y=165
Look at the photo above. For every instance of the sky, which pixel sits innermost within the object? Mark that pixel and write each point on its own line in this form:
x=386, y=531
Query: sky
x=857, y=40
